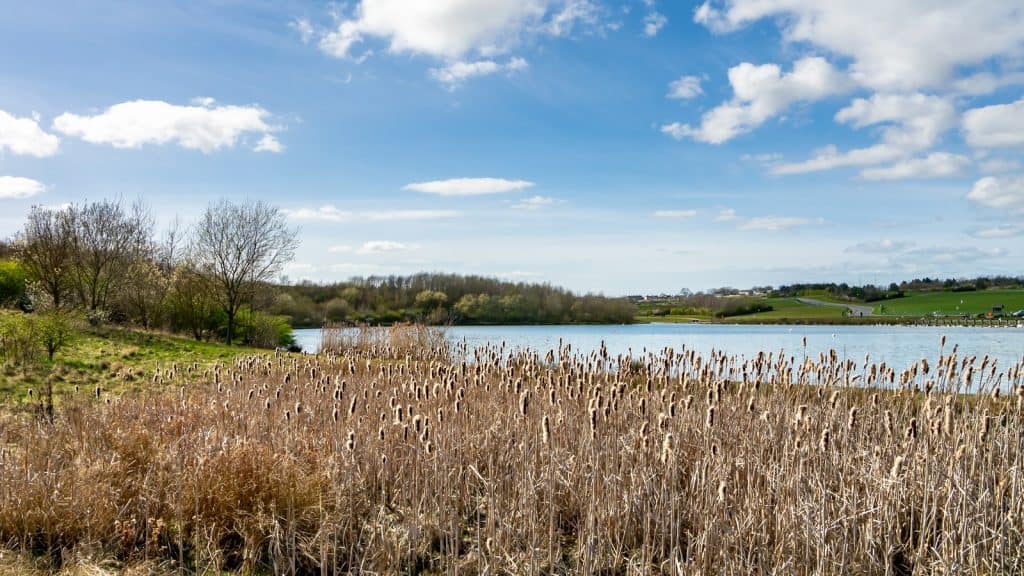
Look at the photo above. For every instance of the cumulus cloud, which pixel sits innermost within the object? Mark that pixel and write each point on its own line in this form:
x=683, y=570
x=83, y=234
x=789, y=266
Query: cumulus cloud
x=16, y=187
x=891, y=45
x=331, y=213
x=23, y=136
x=1004, y=193
x=761, y=92
x=456, y=73
x=203, y=126
x=268, y=143
x=999, y=125
x=685, y=88
x=450, y=29
x=468, y=186
x=910, y=123
x=675, y=213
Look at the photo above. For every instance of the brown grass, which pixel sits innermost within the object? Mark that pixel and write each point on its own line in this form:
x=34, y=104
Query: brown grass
x=669, y=463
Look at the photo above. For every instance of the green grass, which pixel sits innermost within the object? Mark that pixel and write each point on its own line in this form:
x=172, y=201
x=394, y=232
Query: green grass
x=117, y=359
x=946, y=303
x=824, y=296
x=790, y=309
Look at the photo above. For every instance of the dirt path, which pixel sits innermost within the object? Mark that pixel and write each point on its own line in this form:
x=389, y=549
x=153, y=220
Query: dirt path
x=855, y=309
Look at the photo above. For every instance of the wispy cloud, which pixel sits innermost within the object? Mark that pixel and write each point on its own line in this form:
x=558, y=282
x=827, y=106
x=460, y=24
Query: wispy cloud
x=381, y=246
x=331, y=213
x=675, y=213
x=468, y=186
x=534, y=202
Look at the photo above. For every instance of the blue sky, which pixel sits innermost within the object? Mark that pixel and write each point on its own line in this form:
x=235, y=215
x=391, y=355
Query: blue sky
x=616, y=146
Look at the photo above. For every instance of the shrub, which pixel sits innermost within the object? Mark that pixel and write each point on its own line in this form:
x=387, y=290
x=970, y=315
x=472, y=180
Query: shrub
x=13, y=281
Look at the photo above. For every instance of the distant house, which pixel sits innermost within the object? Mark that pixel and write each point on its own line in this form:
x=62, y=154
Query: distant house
x=997, y=310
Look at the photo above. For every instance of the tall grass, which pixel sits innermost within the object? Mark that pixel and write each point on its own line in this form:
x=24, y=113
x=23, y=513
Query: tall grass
x=380, y=461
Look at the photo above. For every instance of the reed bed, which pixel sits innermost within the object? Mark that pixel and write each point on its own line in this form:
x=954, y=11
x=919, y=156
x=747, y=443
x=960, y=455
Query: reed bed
x=382, y=460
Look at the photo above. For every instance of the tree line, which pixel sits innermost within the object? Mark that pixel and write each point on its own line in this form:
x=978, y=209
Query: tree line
x=436, y=298
x=103, y=262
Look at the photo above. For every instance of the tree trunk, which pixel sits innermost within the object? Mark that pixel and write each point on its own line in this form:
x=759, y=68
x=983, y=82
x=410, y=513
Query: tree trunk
x=231, y=326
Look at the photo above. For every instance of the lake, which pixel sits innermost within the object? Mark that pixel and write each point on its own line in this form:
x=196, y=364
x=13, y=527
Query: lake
x=898, y=346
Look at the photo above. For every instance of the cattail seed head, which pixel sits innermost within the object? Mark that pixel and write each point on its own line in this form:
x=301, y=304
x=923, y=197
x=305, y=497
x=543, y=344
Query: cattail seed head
x=667, y=448
x=709, y=418
x=545, y=426
x=897, y=468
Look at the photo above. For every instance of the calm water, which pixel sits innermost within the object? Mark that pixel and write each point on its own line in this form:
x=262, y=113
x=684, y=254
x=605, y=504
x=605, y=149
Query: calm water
x=899, y=346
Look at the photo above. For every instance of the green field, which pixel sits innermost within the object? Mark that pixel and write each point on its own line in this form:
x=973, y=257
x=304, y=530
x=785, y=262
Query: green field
x=951, y=303
x=782, y=309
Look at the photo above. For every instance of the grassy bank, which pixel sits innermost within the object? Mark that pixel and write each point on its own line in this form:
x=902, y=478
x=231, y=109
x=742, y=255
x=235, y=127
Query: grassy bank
x=912, y=308
x=116, y=359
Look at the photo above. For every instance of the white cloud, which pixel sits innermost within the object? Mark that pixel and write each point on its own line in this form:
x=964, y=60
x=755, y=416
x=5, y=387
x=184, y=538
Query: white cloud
x=934, y=165
x=910, y=123
x=653, y=22
x=451, y=29
x=892, y=45
x=574, y=14
x=773, y=223
x=331, y=213
x=1004, y=193
x=534, y=202
x=1000, y=165
x=457, y=72
x=23, y=136
x=684, y=88
x=381, y=246
x=16, y=187
x=1000, y=125
x=203, y=126
x=726, y=215
x=761, y=92
x=468, y=186
x=885, y=246
x=675, y=213
x=268, y=144
x=1000, y=231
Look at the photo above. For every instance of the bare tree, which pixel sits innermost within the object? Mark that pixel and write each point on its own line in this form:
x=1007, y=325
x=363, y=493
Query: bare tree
x=109, y=240
x=239, y=247
x=190, y=300
x=47, y=249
